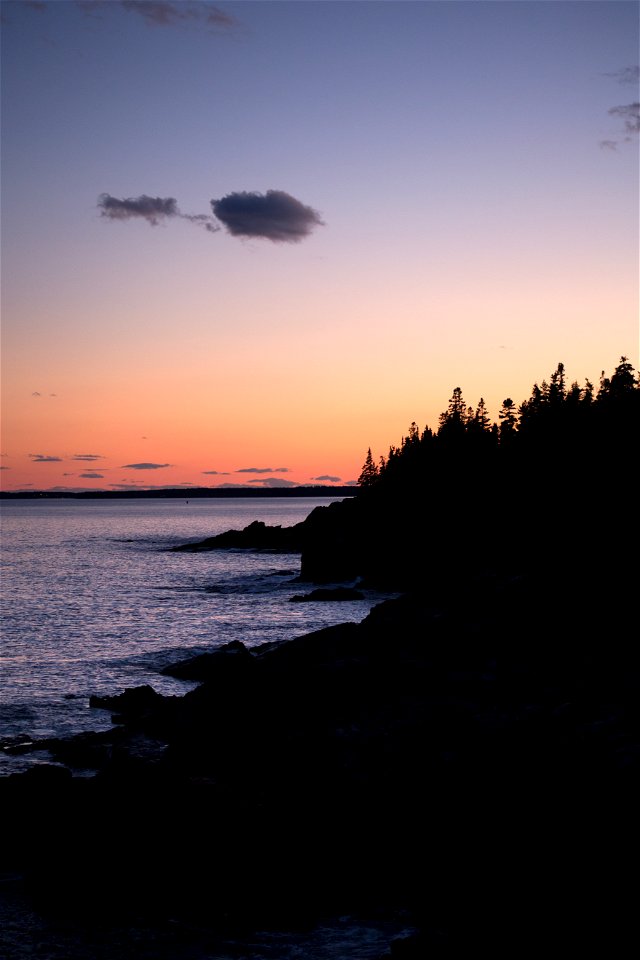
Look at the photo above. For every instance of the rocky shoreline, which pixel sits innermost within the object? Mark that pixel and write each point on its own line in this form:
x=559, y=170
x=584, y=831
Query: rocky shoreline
x=381, y=769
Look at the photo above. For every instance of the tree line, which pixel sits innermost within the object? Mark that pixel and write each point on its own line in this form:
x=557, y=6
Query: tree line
x=558, y=418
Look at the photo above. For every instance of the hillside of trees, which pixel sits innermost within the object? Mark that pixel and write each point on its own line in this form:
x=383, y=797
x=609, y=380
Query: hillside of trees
x=548, y=483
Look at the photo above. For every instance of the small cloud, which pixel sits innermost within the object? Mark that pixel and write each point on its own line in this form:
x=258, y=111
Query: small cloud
x=326, y=477
x=151, y=209
x=627, y=75
x=42, y=458
x=275, y=216
x=216, y=473
x=608, y=144
x=201, y=220
x=164, y=13
x=275, y=482
x=36, y=393
x=92, y=476
x=5, y=468
x=87, y=456
x=282, y=470
x=630, y=114
x=144, y=466
x=351, y=483
x=255, y=470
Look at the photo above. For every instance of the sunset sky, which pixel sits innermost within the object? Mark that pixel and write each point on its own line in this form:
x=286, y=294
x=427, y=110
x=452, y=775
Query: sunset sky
x=407, y=197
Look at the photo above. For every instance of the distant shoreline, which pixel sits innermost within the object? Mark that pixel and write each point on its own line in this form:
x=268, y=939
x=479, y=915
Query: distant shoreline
x=195, y=493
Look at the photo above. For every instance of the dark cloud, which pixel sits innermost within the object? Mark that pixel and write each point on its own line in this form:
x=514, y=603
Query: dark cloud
x=151, y=209
x=87, y=456
x=5, y=468
x=275, y=482
x=329, y=479
x=627, y=75
x=630, y=114
x=608, y=144
x=42, y=458
x=144, y=466
x=216, y=473
x=282, y=470
x=36, y=393
x=351, y=483
x=275, y=216
x=91, y=476
x=255, y=470
x=163, y=13
x=201, y=220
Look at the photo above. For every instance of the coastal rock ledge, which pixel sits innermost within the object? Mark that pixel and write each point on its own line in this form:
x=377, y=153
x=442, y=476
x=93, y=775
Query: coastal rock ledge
x=375, y=768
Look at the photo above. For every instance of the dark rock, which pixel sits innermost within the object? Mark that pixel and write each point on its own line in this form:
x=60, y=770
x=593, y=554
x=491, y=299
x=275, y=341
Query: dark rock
x=229, y=659
x=337, y=593
x=133, y=700
x=20, y=743
x=256, y=536
x=46, y=774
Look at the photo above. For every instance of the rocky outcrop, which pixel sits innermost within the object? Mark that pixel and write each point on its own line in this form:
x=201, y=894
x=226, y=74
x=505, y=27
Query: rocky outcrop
x=391, y=757
x=328, y=595
x=256, y=536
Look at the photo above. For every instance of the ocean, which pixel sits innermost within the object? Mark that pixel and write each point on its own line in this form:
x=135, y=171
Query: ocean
x=93, y=601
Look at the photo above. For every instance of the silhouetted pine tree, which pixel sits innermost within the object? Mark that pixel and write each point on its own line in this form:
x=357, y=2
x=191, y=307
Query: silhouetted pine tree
x=369, y=473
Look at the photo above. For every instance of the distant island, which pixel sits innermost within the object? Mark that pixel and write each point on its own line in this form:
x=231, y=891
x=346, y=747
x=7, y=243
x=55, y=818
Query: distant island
x=179, y=493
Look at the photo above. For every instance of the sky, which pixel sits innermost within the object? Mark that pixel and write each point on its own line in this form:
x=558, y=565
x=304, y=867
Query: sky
x=244, y=242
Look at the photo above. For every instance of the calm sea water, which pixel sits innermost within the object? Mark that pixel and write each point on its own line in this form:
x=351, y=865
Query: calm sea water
x=93, y=602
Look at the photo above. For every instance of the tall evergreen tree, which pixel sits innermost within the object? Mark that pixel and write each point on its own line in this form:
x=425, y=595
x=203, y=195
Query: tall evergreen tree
x=369, y=473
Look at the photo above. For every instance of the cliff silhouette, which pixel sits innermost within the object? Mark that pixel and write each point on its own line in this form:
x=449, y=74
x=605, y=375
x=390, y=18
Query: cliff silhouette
x=467, y=757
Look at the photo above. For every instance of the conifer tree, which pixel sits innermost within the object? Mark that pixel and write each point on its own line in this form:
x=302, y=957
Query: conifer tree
x=369, y=473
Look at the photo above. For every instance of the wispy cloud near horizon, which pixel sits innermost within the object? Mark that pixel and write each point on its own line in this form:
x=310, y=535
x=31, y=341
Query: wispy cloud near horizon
x=275, y=482
x=44, y=458
x=263, y=470
x=144, y=466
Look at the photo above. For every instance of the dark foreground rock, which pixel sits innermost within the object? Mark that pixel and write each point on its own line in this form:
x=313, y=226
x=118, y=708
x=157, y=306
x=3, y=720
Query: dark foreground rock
x=330, y=595
x=467, y=759
x=256, y=536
